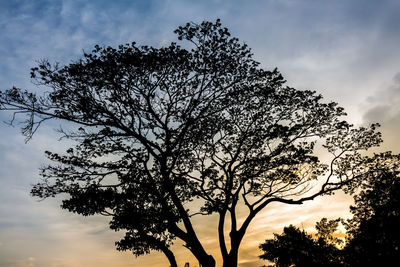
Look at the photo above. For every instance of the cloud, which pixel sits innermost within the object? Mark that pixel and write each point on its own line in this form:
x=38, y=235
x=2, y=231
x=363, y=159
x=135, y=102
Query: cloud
x=384, y=108
x=29, y=262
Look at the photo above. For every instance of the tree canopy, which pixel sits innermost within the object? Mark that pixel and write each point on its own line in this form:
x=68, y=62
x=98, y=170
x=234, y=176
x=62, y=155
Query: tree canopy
x=156, y=128
x=294, y=247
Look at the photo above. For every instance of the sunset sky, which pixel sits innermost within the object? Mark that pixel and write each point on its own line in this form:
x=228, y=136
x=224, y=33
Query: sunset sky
x=349, y=51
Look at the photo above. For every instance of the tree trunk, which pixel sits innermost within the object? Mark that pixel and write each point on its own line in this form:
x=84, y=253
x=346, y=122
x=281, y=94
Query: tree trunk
x=207, y=261
x=232, y=259
x=170, y=256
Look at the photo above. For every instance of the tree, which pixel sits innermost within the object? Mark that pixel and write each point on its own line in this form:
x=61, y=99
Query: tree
x=325, y=232
x=297, y=248
x=293, y=246
x=373, y=232
x=156, y=128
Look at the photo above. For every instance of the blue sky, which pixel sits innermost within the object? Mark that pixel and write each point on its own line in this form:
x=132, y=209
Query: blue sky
x=346, y=50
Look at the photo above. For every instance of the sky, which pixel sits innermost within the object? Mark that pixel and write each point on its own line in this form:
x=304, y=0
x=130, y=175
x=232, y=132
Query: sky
x=346, y=50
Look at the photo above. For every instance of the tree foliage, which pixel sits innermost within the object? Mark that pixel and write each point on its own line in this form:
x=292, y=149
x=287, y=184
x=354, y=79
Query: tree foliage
x=372, y=233
x=156, y=128
x=295, y=247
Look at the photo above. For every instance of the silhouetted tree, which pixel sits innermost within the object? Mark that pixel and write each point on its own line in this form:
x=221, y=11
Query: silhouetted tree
x=325, y=230
x=374, y=236
x=157, y=127
x=291, y=247
x=297, y=248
